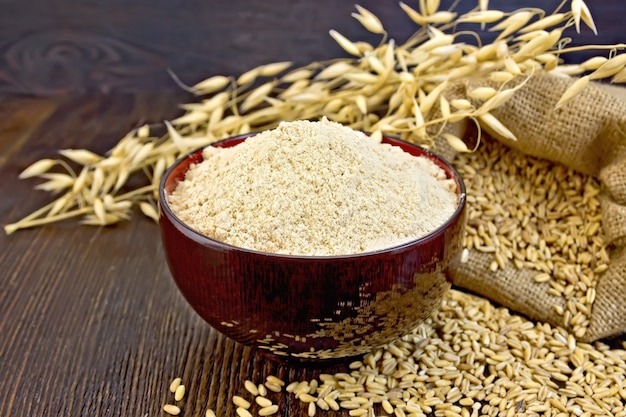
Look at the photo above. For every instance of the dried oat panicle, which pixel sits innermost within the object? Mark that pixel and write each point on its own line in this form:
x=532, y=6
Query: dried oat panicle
x=373, y=88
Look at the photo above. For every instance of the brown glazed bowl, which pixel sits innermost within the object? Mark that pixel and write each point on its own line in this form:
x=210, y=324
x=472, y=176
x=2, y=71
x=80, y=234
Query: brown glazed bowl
x=305, y=308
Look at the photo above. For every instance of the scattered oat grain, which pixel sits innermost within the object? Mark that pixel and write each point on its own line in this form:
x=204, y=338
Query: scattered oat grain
x=171, y=409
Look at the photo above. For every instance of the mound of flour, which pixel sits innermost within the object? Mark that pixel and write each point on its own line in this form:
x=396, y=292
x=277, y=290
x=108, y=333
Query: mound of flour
x=313, y=188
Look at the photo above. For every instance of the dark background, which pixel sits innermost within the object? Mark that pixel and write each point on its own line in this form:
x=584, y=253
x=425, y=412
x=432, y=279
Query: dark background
x=52, y=47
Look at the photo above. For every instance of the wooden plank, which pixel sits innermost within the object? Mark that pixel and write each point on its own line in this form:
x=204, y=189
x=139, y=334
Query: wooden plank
x=21, y=117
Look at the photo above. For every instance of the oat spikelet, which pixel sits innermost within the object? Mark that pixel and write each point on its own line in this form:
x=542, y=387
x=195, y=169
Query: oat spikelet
x=512, y=24
x=99, y=211
x=511, y=66
x=441, y=17
x=482, y=93
x=444, y=107
x=461, y=104
x=37, y=168
x=59, y=205
x=620, y=77
x=593, y=63
x=257, y=96
x=428, y=102
x=457, y=143
x=362, y=77
x=211, y=84
x=413, y=14
x=495, y=127
x=484, y=16
x=191, y=117
x=345, y=43
x=335, y=70
x=143, y=131
x=361, y=103
x=501, y=77
x=368, y=20
x=500, y=97
x=248, y=77
x=581, y=11
x=546, y=22
x=432, y=6
x=57, y=182
x=573, y=90
x=273, y=69
x=609, y=68
x=81, y=156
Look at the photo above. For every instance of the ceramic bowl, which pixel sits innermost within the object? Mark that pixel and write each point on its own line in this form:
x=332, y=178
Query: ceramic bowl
x=311, y=308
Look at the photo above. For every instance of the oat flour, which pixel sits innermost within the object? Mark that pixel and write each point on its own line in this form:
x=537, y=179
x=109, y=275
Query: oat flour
x=313, y=188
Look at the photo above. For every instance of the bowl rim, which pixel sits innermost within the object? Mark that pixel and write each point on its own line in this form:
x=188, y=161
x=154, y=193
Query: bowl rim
x=205, y=240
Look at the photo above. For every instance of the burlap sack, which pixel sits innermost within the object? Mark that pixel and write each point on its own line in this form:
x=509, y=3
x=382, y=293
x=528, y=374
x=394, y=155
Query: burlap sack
x=588, y=134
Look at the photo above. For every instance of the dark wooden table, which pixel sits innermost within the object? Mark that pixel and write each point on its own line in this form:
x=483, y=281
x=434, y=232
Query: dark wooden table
x=91, y=323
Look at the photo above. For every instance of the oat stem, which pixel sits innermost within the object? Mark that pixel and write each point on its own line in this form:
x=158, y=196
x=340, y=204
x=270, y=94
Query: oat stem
x=590, y=47
x=10, y=228
x=28, y=223
x=148, y=189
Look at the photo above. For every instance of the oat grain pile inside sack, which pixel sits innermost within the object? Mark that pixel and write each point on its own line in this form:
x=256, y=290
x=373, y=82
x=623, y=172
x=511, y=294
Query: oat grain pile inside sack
x=547, y=211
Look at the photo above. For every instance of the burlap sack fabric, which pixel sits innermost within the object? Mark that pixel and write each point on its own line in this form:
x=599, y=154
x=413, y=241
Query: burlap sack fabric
x=587, y=134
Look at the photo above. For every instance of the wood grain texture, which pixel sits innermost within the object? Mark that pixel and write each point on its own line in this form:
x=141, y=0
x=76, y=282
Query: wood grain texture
x=91, y=322
x=118, y=46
